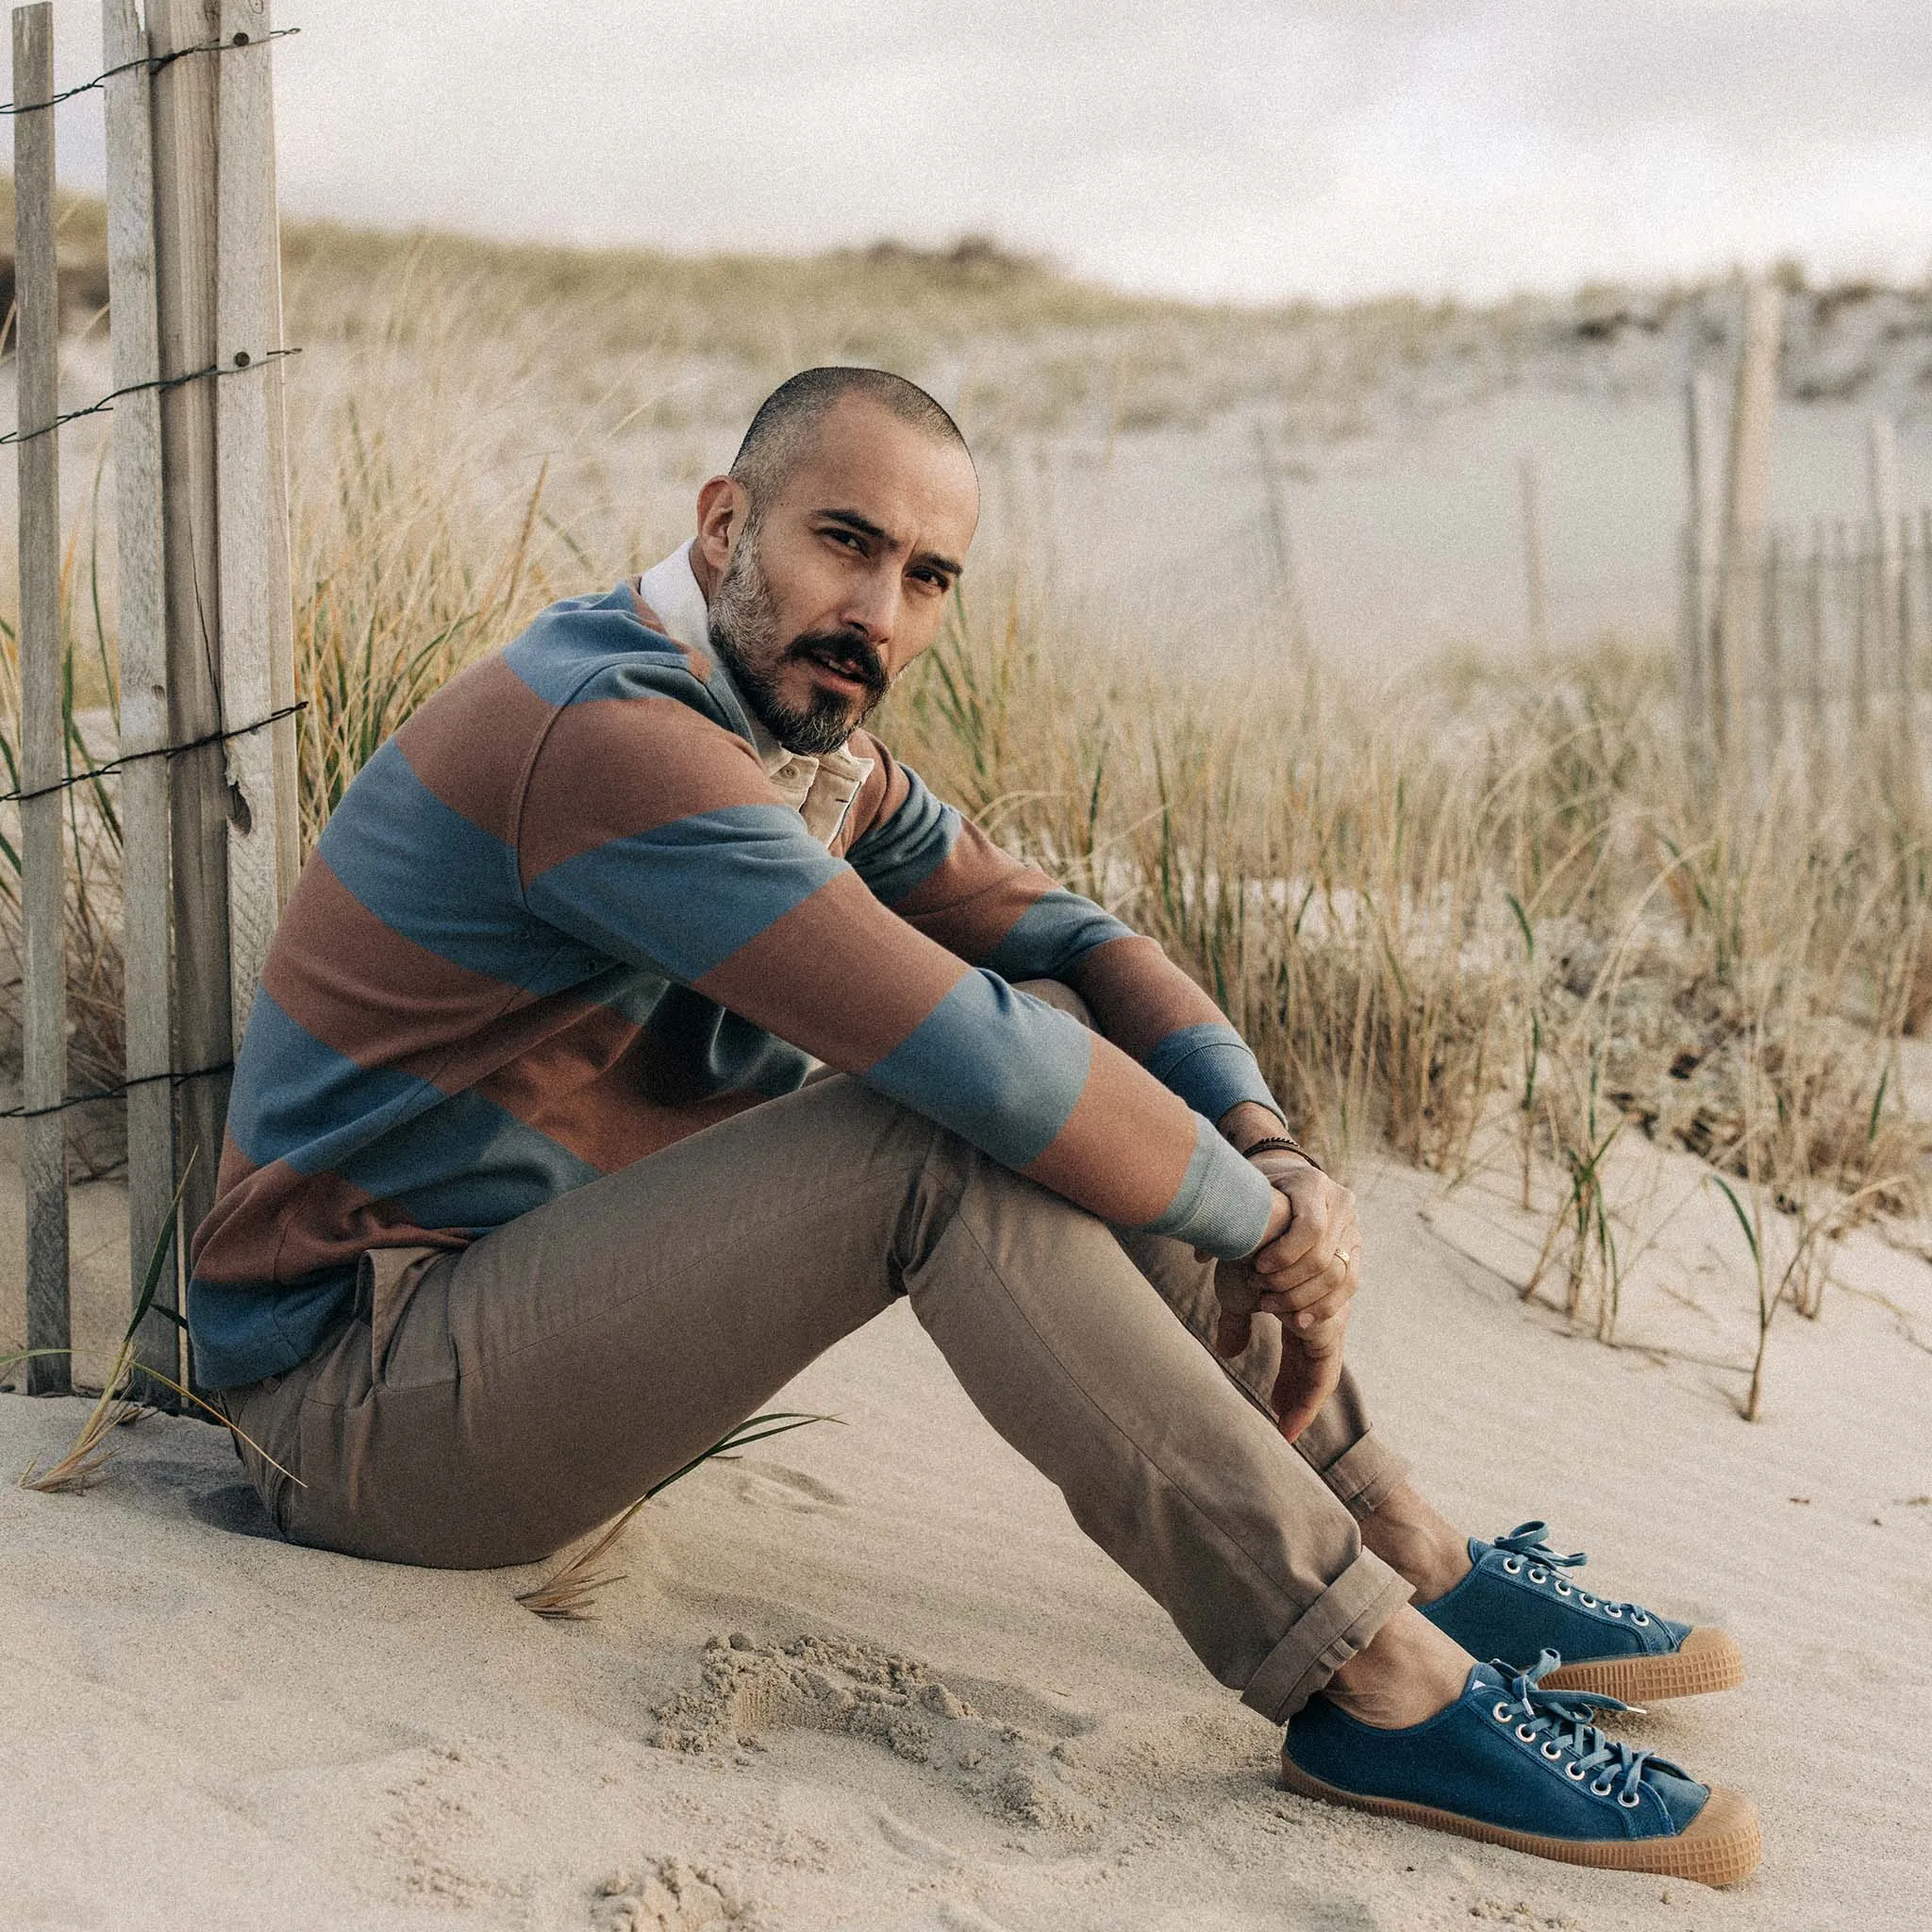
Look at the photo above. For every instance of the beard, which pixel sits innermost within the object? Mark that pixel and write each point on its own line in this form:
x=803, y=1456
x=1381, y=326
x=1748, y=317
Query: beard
x=744, y=632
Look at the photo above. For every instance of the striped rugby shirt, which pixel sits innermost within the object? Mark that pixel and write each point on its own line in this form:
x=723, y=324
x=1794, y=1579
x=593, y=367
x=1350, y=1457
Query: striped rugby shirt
x=567, y=915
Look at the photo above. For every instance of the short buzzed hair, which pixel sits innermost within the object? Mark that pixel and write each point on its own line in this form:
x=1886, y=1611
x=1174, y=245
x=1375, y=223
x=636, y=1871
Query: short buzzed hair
x=787, y=418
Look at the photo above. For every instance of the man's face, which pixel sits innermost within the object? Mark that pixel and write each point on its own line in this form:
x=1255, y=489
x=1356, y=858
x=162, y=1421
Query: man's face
x=840, y=580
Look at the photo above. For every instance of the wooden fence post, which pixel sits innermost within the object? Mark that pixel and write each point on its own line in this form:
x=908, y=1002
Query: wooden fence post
x=1701, y=544
x=1771, y=611
x=144, y=661
x=1850, y=593
x=1748, y=489
x=252, y=498
x=184, y=169
x=1890, y=643
x=1282, y=549
x=43, y=868
x=1819, y=761
x=1536, y=567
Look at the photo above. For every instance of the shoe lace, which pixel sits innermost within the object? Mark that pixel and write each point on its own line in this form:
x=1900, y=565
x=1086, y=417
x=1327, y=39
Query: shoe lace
x=1527, y=1541
x=1563, y=1718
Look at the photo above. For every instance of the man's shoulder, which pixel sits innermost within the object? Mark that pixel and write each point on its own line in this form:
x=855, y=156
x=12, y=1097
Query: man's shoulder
x=589, y=689
x=609, y=646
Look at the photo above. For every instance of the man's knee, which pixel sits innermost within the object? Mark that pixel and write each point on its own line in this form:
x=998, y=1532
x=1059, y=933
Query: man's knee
x=1054, y=992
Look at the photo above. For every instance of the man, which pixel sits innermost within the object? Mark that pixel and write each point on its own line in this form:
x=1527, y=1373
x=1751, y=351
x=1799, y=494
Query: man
x=531, y=1191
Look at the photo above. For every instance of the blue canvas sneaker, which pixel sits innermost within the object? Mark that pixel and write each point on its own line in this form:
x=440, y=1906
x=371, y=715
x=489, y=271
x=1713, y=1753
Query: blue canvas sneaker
x=1514, y=1763
x=1517, y=1602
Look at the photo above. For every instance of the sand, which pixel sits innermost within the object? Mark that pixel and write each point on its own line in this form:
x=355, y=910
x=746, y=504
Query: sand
x=872, y=1677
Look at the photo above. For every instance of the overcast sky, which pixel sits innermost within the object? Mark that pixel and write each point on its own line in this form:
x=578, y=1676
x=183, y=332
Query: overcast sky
x=1245, y=148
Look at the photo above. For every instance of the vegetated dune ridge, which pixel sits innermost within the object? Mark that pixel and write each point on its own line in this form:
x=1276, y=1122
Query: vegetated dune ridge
x=871, y=1675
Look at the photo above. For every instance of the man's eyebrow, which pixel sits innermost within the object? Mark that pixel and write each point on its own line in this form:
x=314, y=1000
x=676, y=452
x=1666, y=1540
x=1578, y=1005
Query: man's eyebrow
x=852, y=520
x=864, y=527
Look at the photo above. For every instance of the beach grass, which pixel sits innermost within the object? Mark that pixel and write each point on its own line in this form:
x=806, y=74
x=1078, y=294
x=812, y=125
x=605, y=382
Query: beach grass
x=1471, y=917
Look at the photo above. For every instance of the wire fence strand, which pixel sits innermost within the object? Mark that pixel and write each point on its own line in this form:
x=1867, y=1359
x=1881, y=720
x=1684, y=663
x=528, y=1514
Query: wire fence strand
x=154, y=64
x=242, y=361
x=89, y=775
x=87, y=1098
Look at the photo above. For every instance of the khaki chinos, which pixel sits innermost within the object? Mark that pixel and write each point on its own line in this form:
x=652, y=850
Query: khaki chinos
x=487, y=1406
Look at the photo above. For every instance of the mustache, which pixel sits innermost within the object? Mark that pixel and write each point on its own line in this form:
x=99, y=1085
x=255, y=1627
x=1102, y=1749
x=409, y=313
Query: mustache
x=848, y=652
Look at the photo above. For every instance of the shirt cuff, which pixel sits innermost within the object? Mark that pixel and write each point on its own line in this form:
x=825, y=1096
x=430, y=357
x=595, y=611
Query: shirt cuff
x=1223, y=1200
x=1211, y=1068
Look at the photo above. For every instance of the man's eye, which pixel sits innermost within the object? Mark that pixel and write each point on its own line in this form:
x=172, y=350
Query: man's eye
x=933, y=579
x=847, y=536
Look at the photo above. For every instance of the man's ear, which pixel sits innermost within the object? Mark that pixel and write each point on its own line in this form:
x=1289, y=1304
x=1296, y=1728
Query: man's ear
x=723, y=506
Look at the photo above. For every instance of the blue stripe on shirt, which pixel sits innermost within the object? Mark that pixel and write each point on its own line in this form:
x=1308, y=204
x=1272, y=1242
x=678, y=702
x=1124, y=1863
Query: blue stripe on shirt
x=1009, y=1103
x=441, y=882
x=903, y=853
x=1211, y=1068
x=1223, y=1200
x=685, y=896
x=1052, y=935
x=298, y=1100
x=468, y=1164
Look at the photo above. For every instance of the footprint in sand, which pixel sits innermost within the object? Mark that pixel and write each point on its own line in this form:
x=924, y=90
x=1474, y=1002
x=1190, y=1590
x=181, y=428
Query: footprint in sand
x=865, y=1690
x=780, y=1487
x=668, y=1895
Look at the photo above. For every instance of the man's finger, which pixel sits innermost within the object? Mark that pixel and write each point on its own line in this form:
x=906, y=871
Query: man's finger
x=1308, y=1319
x=1231, y=1333
x=1313, y=1305
x=1302, y=1280
x=1301, y=1389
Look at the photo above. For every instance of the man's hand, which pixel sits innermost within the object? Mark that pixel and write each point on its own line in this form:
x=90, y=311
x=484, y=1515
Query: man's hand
x=1304, y=1273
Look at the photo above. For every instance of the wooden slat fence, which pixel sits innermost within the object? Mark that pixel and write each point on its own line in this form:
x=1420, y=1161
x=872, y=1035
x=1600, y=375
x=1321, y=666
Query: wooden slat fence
x=1803, y=649
x=206, y=764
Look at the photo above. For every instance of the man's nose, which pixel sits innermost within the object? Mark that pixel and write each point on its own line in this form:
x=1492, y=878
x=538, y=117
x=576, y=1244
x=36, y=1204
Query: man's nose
x=872, y=606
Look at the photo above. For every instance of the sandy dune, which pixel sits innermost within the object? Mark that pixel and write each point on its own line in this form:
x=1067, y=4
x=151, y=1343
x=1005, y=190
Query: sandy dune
x=896, y=1689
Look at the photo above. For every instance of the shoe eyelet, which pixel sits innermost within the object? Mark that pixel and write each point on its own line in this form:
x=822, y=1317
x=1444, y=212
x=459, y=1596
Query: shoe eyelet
x=1512, y=1564
x=1613, y=1610
x=1551, y=1751
x=1637, y=1617
x=1573, y=1771
x=1562, y=1589
x=1583, y=1596
x=1629, y=1800
x=1526, y=1732
x=1599, y=1791
x=1500, y=1712
x=1538, y=1575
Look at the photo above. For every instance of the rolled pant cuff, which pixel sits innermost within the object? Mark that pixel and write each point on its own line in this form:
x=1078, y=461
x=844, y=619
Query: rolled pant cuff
x=1362, y=1475
x=1337, y=1624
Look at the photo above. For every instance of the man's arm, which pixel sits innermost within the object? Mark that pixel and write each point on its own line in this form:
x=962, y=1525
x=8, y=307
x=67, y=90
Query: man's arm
x=650, y=834
x=946, y=878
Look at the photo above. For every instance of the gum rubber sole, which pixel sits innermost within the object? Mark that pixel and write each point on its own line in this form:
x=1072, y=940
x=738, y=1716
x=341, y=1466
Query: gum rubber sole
x=1707, y=1660
x=1720, y=1846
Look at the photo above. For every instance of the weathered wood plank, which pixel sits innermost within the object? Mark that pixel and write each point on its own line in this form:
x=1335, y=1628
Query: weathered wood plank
x=44, y=911
x=1747, y=489
x=143, y=663
x=281, y=609
x=1536, y=564
x=184, y=160
x=1892, y=636
x=251, y=510
x=1703, y=541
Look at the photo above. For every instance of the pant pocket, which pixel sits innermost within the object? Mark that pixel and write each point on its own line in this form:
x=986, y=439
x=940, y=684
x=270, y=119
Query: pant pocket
x=385, y=1280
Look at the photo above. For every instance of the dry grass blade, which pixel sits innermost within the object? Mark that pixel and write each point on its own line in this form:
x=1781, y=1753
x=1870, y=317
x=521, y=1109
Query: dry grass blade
x=569, y=1595
x=87, y=1460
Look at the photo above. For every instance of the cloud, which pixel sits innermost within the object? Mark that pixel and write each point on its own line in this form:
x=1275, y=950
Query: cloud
x=1245, y=148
